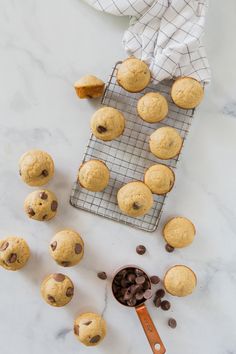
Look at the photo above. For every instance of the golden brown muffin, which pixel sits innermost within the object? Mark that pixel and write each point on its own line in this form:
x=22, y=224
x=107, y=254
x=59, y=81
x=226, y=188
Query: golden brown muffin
x=94, y=175
x=179, y=232
x=165, y=143
x=57, y=289
x=67, y=248
x=135, y=199
x=14, y=253
x=107, y=123
x=159, y=178
x=89, y=86
x=180, y=281
x=41, y=205
x=90, y=328
x=133, y=75
x=152, y=107
x=36, y=168
x=187, y=92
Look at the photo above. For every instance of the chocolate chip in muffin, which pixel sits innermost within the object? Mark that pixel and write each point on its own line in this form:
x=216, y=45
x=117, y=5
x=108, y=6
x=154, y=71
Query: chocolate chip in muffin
x=140, y=249
x=54, y=205
x=87, y=323
x=53, y=245
x=12, y=258
x=44, y=173
x=51, y=299
x=4, y=246
x=70, y=292
x=102, y=275
x=45, y=217
x=101, y=129
x=59, y=277
x=95, y=339
x=31, y=212
x=169, y=248
x=76, y=329
x=65, y=263
x=43, y=195
x=172, y=323
x=20, y=172
x=136, y=206
x=78, y=248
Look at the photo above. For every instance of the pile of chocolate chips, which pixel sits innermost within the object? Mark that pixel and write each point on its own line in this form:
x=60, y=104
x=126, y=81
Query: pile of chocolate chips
x=131, y=287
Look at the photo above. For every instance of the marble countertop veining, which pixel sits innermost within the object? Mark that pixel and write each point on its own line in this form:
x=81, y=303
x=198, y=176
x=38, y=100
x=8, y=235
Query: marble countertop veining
x=44, y=47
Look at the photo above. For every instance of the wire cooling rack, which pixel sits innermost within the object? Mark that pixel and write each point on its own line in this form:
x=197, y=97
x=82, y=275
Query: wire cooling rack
x=129, y=156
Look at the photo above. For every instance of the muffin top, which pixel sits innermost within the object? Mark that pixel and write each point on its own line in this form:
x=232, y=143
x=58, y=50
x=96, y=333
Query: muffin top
x=14, y=253
x=152, y=107
x=179, y=232
x=187, y=92
x=94, y=175
x=90, y=328
x=133, y=75
x=88, y=81
x=159, y=178
x=57, y=289
x=165, y=143
x=107, y=123
x=180, y=281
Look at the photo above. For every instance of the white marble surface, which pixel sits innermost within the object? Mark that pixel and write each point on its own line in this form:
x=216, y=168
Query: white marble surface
x=44, y=47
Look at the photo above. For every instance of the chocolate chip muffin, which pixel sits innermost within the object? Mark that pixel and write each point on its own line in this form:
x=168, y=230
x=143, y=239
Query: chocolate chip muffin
x=179, y=232
x=187, y=92
x=180, y=281
x=165, y=143
x=133, y=75
x=57, y=289
x=152, y=107
x=14, y=253
x=89, y=86
x=41, y=205
x=107, y=123
x=67, y=248
x=135, y=199
x=159, y=178
x=90, y=328
x=94, y=175
x=36, y=168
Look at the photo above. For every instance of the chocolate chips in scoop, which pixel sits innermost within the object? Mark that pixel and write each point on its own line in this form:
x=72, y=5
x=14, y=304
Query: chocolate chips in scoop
x=131, y=287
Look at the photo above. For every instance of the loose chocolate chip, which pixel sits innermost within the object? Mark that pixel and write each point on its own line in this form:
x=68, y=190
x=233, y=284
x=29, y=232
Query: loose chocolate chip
x=132, y=302
x=155, y=279
x=160, y=293
x=43, y=195
x=140, y=280
x=31, y=212
x=165, y=305
x=102, y=275
x=172, y=323
x=101, y=129
x=147, y=294
x=169, y=248
x=138, y=272
x=70, y=292
x=139, y=295
x=53, y=245
x=95, y=339
x=54, y=205
x=136, y=206
x=12, y=258
x=59, y=277
x=157, y=301
x=65, y=263
x=4, y=246
x=76, y=330
x=51, y=299
x=78, y=248
x=44, y=173
x=87, y=323
x=140, y=249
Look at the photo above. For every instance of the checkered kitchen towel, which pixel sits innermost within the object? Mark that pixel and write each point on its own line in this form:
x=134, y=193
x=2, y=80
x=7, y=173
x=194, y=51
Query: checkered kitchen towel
x=166, y=34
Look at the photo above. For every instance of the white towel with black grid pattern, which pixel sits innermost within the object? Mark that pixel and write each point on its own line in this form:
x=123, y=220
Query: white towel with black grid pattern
x=166, y=34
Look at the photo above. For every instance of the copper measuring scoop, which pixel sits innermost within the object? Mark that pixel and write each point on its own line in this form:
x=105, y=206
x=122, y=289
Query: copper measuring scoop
x=138, y=303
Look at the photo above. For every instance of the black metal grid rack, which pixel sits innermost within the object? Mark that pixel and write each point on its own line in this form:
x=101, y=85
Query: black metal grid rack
x=129, y=156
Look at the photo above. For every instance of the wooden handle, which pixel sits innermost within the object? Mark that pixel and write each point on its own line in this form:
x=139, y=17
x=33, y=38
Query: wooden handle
x=150, y=330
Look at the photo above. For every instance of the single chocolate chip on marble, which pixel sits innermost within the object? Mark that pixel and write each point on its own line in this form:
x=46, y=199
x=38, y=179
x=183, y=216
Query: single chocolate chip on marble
x=140, y=249
x=78, y=248
x=132, y=301
x=101, y=129
x=59, y=277
x=44, y=173
x=51, y=299
x=169, y=248
x=160, y=293
x=147, y=294
x=4, y=246
x=102, y=275
x=65, y=263
x=95, y=339
x=140, y=280
x=87, y=323
x=155, y=279
x=31, y=212
x=54, y=205
x=53, y=245
x=76, y=330
x=165, y=305
x=43, y=195
x=70, y=291
x=157, y=301
x=136, y=206
x=172, y=323
x=12, y=258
